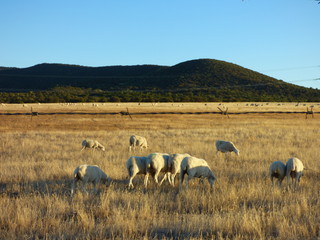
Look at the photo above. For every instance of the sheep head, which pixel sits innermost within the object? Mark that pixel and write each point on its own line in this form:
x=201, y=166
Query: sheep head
x=237, y=152
x=212, y=176
x=106, y=181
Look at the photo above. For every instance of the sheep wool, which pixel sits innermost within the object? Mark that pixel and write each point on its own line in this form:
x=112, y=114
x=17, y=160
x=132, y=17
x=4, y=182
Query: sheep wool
x=138, y=165
x=226, y=146
x=195, y=168
x=89, y=174
x=277, y=170
x=159, y=163
x=294, y=169
x=174, y=163
x=94, y=144
x=137, y=141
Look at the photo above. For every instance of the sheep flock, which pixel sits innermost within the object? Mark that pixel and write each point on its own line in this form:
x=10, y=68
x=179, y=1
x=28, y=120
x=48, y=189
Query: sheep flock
x=170, y=165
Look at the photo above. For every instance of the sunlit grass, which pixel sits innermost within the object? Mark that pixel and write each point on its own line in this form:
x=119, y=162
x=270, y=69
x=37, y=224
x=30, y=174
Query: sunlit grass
x=37, y=166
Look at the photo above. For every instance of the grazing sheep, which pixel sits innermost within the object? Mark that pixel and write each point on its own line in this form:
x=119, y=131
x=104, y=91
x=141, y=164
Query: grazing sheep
x=278, y=170
x=294, y=169
x=174, y=163
x=159, y=163
x=89, y=173
x=196, y=167
x=87, y=143
x=138, y=165
x=226, y=146
x=137, y=141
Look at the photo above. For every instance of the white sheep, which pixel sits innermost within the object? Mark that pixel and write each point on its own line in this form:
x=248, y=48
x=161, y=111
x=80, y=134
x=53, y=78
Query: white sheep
x=137, y=141
x=226, y=146
x=159, y=163
x=196, y=167
x=94, y=144
x=89, y=174
x=277, y=170
x=138, y=165
x=174, y=163
x=294, y=169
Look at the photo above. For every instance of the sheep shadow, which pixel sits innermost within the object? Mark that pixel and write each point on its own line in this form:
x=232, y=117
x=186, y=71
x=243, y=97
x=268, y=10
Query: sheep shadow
x=60, y=187
x=168, y=233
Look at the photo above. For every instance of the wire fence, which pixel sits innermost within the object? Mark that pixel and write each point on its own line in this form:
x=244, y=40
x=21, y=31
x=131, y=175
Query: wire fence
x=162, y=113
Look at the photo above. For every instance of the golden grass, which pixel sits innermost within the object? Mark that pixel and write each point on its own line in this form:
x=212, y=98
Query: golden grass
x=38, y=157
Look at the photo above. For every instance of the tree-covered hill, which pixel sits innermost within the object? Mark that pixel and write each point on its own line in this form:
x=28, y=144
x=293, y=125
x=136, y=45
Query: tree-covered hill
x=195, y=80
x=45, y=76
x=214, y=73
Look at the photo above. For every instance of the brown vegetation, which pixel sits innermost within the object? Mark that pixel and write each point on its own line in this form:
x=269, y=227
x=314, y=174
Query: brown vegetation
x=39, y=154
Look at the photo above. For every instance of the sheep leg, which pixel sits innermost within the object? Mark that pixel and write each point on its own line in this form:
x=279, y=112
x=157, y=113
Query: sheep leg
x=211, y=181
x=146, y=180
x=156, y=178
x=280, y=182
x=94, y=187
x=181, y=180
x=299, y=177
x=75, y=180
x=164, y=178
x=130, y=186
x=201, y=180
x=288, y=181
x=296, y=182
x=131, y=147
x=84, y=187
x=272, y=181
x=187, y=181
x=172, y=179
x=132, y=173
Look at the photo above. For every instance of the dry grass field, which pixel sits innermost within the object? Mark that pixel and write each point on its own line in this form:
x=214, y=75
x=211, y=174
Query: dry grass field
x=38, y=155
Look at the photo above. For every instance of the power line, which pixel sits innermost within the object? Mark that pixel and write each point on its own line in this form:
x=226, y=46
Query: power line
x=290, y=68
x=307, y=80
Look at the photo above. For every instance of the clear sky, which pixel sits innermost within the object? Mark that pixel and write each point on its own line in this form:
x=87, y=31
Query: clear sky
x=280, y=38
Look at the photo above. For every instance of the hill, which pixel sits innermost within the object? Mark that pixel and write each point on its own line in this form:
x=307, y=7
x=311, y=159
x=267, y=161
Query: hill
x=195, y=80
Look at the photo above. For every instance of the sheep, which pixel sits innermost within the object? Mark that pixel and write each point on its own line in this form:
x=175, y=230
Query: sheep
x=226, y=146
x=89, y=173
x=278, y=170
x=196, y=167
x=174, y=163
x=138, y=165
x=159, y=163
x=294, y=169
x=137, y=141
x=94, y=144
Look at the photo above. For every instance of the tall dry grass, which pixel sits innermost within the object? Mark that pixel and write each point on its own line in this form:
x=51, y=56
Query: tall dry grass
x=37, y=165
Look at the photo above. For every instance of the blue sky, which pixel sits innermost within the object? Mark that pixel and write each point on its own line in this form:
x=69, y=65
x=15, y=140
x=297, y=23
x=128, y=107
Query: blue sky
x=278, y=38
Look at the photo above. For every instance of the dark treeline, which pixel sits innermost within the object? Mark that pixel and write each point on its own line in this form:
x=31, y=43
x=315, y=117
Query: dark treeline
x=74, y=94
x=201, y=80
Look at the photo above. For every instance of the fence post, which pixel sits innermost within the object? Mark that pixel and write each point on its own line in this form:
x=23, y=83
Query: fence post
x=309, y=112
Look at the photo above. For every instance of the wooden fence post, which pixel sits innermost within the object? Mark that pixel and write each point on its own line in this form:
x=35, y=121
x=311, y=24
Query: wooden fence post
x=309, y=112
